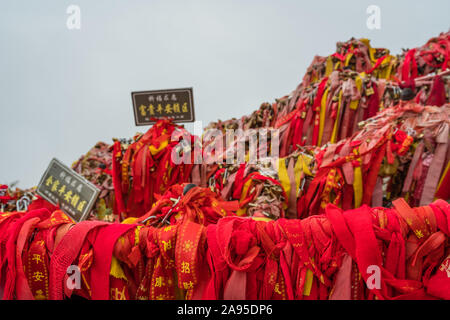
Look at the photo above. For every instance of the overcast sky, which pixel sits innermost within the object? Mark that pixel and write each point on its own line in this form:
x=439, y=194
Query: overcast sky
x=63, y=90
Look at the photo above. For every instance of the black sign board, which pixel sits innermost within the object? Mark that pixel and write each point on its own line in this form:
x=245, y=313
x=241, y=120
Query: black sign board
x=175, y=104
x=74, y=194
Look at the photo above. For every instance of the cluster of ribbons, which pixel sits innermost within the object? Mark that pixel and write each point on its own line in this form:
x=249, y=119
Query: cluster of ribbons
x=356, y=87
x=349, y=86
x=417, y=64
x=258, y=191
x=403, y=151
x=357, y=55
x=205, y=251
x=431, y=57
x=96, y=167
x=338, y=95
x=146, y=168
x=132, y=260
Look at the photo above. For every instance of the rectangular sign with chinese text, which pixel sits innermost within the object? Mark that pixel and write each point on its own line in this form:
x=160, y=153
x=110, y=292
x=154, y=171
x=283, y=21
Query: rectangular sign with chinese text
x=175, y=104
x=74, y=194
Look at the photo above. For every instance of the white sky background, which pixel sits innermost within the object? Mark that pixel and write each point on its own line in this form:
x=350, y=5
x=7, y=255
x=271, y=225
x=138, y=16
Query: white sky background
x=63, y=90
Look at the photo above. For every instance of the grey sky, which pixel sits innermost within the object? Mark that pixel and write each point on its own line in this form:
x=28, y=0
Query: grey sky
x=63, y=90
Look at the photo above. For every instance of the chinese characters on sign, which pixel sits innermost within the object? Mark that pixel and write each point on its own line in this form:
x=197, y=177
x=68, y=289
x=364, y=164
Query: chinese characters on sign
x=74, y=194
x=175, y=104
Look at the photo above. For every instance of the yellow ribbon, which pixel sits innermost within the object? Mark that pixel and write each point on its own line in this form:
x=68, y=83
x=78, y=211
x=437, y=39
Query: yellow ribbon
x=284, y=178
x=357, y=182
x=116, y=270
x=162, y=145
x=243, y=211
x=323, y=107
x=265, y=219
x=347, y=60
x=306, y=164
x=298, y=168
x=130, y=220
x=329, y=66
x=308, y=282
x=358, y=81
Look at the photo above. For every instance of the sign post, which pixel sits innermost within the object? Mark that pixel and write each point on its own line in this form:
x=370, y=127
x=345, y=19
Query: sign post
x=62, y=186
x=174, y=104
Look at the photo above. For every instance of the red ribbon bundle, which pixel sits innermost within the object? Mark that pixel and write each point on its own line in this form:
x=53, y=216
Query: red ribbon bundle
x=330, y=256
x=148, y=163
